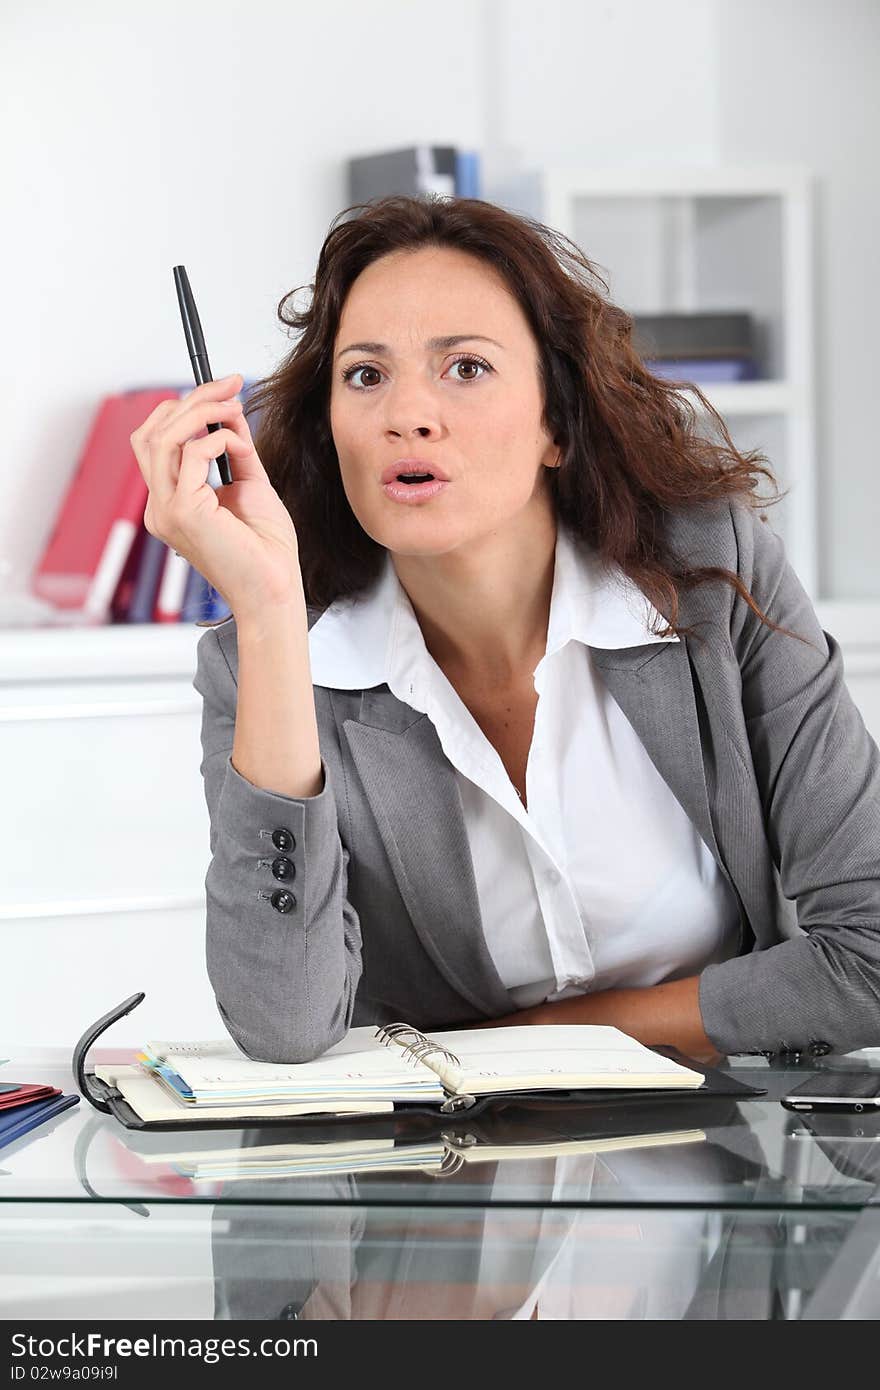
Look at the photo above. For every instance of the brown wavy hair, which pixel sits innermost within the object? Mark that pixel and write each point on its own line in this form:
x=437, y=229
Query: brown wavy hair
x=630, y=448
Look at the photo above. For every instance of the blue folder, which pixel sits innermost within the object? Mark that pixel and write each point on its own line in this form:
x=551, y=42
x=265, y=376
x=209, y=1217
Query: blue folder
x=23, y=1118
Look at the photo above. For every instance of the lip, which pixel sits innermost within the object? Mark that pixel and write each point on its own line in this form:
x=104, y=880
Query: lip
x=391, y=470
x=411, y=493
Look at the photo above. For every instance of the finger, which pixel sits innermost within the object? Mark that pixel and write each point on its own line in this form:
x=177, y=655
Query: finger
x=179, y=406
x=248, y=464
x=224, y=385
x=147, y=442
x=140, y=438
x=198, y=455
x=173, y=406
x=164, y=448
x=193, y=418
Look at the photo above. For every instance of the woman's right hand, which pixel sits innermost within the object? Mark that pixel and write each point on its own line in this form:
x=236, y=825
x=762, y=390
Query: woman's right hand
x=241, y=537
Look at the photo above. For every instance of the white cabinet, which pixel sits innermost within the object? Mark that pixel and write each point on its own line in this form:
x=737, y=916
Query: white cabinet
x=105, y=835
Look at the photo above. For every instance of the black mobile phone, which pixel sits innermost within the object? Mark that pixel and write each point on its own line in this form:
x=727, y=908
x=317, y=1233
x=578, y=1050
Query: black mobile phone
x=831, y=1091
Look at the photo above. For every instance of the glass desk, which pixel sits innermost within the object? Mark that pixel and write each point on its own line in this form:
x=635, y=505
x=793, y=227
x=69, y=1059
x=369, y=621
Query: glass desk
x=686, y=1209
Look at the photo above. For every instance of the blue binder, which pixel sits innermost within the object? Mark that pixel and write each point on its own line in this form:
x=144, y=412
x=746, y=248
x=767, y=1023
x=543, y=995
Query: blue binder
x=27, y=1117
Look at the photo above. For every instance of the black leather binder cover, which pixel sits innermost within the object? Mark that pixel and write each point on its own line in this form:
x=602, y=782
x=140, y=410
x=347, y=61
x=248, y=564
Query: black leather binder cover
x=112, y=1102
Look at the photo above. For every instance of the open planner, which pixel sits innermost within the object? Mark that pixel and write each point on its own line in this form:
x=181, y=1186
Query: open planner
x=372, y=1071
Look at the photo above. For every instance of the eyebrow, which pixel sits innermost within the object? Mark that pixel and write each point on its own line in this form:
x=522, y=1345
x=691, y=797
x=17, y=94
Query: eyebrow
x=438, y=344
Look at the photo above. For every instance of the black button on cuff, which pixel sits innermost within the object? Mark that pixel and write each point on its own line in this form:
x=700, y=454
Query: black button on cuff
x=282, y=901
x=282, y=838
x=283, y=868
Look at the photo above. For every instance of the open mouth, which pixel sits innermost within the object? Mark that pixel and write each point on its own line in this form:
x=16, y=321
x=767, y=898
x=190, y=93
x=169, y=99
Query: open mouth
x=415, y=477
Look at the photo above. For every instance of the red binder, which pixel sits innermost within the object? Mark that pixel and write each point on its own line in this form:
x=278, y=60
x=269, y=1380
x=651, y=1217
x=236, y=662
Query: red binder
x=25, y=1093
x=104, y=506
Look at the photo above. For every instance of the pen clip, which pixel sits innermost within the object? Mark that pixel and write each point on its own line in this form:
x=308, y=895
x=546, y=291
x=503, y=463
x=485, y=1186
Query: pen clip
x=94, y=1031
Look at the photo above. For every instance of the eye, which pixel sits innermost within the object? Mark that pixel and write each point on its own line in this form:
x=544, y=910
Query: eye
x=350, y=372
x=471, y=362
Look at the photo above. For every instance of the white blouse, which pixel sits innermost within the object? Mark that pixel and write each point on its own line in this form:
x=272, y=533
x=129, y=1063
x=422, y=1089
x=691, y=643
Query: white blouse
x=603, y=881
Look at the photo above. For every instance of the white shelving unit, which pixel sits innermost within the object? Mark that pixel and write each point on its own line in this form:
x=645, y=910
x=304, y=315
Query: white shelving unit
x=675, y=239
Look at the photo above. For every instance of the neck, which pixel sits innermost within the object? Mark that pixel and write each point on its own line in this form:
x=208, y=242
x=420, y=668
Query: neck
x=484, y=609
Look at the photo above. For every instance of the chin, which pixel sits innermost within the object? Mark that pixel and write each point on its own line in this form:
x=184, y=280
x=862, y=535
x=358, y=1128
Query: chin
x=414, y=535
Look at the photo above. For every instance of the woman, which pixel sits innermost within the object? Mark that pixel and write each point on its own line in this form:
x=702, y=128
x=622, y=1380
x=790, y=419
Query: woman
x=458, y=770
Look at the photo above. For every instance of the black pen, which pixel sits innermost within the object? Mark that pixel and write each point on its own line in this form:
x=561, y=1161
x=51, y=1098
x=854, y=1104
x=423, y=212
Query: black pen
x=198, y=353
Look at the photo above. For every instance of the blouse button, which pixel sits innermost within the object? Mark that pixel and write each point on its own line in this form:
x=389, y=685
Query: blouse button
x=282, y=901
x=283, y=868
x=283, y=839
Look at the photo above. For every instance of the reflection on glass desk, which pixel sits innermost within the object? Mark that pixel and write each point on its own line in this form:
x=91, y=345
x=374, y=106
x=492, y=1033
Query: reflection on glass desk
x=682, y=1209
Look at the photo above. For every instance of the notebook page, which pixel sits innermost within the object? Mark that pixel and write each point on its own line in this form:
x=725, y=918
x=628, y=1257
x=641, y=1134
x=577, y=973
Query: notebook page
x=149, y=1099
x=555, y=1056
x=359, y=1060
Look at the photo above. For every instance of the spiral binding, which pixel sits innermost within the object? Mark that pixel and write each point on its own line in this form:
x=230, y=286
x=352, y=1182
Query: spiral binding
x=418, y=1048
x=421, y=1045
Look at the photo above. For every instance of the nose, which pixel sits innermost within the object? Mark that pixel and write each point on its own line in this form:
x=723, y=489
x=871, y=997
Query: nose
x=409, y=410
x=415, y=432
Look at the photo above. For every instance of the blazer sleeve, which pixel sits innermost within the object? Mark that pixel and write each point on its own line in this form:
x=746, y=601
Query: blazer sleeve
x=818, y=773
x=284, y=982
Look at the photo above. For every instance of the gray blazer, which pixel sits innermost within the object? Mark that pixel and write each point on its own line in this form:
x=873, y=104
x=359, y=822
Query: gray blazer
x=755, y=733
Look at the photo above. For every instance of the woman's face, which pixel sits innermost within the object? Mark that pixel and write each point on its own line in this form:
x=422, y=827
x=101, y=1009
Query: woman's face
x=471, y=409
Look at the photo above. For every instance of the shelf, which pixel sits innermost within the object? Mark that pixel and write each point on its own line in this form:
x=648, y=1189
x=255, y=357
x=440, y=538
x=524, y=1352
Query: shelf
x=117, y=651
x=748, y=397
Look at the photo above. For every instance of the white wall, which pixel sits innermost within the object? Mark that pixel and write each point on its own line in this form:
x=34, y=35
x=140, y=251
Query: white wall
x=595, y=82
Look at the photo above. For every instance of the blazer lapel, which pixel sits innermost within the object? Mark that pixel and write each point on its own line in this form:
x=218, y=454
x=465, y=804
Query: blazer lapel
x=654, y=687
x=413, y=794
